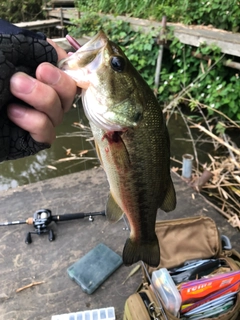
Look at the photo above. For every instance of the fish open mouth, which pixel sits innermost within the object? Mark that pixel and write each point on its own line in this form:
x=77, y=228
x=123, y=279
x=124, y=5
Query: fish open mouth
x=85, y=54
x=86, y=59
x=88, y=66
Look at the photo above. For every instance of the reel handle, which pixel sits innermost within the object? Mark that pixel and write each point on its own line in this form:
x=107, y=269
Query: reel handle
x=28, y=239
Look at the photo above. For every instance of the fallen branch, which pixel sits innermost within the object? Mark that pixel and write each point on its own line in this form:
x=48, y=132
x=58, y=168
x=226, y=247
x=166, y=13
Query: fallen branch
x=30, y=285
x=221, y=141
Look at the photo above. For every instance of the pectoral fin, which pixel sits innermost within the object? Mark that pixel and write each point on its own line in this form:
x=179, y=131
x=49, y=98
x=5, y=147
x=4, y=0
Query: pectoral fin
x=169, y=202
x=113, y=211
x=98, y=153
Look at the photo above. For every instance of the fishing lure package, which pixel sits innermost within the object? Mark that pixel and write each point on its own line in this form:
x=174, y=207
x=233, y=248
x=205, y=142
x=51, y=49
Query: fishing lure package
x=198, y=276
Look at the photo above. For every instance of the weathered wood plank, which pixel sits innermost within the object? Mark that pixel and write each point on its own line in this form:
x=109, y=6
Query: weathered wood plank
x=68, y=13
x=226, y=47
x=39, y=24
x=46, y=262
x=62, y=2
x=228, y=42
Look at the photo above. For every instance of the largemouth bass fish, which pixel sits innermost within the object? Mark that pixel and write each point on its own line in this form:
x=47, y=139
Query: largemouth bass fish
x=131, y=140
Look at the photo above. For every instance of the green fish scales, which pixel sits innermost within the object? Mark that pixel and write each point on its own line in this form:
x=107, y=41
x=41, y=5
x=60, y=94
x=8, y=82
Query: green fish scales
x=133, y=146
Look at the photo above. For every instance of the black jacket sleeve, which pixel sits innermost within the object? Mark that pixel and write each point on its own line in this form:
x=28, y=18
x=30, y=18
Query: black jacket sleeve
x=20, y=50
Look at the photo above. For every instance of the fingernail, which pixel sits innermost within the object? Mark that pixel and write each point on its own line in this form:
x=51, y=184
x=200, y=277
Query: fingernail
x=50, y=76
x=16, y=111
x=22, y=83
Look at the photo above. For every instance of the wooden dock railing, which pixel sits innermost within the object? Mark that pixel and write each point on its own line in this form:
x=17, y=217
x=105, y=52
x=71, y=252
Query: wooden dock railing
x=228, y=42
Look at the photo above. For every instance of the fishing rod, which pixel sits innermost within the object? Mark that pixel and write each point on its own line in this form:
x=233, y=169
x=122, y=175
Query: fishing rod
x=43, y=217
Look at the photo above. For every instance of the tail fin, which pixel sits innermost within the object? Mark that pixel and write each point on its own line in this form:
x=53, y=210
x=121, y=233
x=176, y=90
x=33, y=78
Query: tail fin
x=148, y=252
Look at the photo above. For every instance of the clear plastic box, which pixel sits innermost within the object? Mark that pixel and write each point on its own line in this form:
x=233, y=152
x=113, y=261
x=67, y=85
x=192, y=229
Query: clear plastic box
x=96, y=314
x=167, y=290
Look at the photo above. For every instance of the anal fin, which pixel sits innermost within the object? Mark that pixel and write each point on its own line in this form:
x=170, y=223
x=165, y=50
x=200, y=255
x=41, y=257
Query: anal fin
x=113, y=211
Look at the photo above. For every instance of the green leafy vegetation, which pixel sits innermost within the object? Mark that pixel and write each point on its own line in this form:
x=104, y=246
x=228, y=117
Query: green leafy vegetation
x=198, y=78
x=207, y=81
x=220, y=14
x=21, y=10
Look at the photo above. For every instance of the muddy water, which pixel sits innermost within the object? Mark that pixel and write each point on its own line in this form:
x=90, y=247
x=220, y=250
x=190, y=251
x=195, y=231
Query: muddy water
x=43, y=165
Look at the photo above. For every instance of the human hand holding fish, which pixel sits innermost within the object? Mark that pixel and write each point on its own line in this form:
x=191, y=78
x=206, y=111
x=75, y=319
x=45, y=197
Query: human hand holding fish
x=51, y=94
x=131, y=141
x=34, y=93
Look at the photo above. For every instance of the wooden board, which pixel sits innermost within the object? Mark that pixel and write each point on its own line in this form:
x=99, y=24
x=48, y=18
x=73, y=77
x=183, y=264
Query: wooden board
x=67, y=14
x=62, y=2
x=228, y=42
x=39, y=24
x=47, y=262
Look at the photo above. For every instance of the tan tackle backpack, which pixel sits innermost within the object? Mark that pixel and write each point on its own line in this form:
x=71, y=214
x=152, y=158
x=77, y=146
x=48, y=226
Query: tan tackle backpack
x=182, y=240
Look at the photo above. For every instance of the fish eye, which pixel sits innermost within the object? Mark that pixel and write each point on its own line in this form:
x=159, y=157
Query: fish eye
x=117, y=63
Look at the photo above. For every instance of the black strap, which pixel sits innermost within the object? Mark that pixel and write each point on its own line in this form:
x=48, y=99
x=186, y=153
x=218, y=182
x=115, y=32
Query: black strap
x=148, y=304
